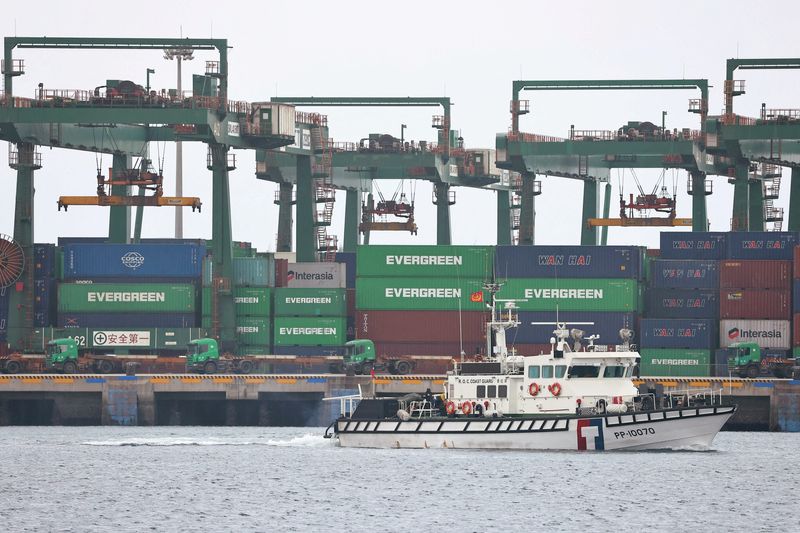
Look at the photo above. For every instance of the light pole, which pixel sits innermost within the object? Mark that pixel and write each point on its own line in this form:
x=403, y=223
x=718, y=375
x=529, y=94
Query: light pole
x=180, y=54
x=663, y=121
x=149, y=71
x=402, y=129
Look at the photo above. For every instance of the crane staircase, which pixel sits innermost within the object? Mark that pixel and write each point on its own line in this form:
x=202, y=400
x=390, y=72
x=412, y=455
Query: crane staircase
x=771, y=177
x=322, y=189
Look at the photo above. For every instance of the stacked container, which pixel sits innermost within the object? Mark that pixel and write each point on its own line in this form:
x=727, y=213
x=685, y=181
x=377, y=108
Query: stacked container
x=4, y=293
x=795, y=304
x=422, y=300
x=44, y=284
x=309, y=321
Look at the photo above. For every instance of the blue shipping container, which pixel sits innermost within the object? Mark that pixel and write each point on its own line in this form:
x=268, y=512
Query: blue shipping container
x=127, y=320
x=93, y=261
x=569, y=262
x=349, y=260
x=796, y=298
x=606, y=324
x=693, y=245
x=762, y=245
x=684, y=274
x=678, y=333
x=3, y=313
x=682, y=303
x=43, y=303
x=44, y=260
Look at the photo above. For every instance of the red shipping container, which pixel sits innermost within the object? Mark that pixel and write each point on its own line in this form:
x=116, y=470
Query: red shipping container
x=450, y=350
x=797, y=262
x=351, y=302
x=281, y=272
x=757, y=274
x=653, y=252
x=768, y=304
x=422, y=326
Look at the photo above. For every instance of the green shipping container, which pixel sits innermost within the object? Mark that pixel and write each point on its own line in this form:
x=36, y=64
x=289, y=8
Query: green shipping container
x=425, y=261
x=310, y=302
x=253, y=350
x=310, y=331
x=668, y=362
x=436, y=294
x=253, y=331
x=109, y=340
x=249, y=301
x=572, y=294
x=125, y=297
x=247, y=271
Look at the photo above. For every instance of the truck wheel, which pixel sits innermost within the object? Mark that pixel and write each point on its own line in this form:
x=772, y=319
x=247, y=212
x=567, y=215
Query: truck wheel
x=210, y=367
x=366, y=369
x=105, y=367
x=245, y=367
x=752, y=371
x=13, y=367
x=70, y=367
x=402, y=367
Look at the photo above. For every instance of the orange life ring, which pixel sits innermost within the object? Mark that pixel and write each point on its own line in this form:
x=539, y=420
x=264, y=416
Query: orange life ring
x=466, y=408
x=533, y=389
x=450, y=407
x=555, y=389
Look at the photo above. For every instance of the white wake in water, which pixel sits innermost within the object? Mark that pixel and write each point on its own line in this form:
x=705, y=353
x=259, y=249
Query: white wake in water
x=307, y=440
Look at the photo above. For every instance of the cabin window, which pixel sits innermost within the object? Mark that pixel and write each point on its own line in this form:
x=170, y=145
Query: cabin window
x=584, y=371
x=481, y=391
x=533, y=372
x=560, y=371
x=502, y=391
x=547, y=371
x=629, y=372
x=614, y=372
x=492, y=391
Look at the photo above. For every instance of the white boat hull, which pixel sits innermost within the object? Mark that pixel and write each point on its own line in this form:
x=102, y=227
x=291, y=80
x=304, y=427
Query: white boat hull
x=682, y=428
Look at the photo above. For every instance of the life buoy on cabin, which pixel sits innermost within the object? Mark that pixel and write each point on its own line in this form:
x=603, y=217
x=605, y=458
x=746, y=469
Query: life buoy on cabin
x=555, y=389
x=466, y=408
x=450, y=408
x=533, y=389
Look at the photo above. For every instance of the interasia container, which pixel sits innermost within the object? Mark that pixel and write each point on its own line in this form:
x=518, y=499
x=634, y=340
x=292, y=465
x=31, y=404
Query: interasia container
x=96, y=261
x=682, y=303
x=316, y=275
x=253, y=330
x=122, y=320
x=693, y=245
x=425, y=261
x=765, y=333
x=604, y=324
x=248, y=301
x=572, y=294
x=421, y=326
x=773, y=245
x=309, y=331
x=678, y=333
x=569, y=262
x=440, y=294
x=756, y=274
x=755, y=303
x=675, y=362
x=310, y=302
x=684, y=274
x=125, y=298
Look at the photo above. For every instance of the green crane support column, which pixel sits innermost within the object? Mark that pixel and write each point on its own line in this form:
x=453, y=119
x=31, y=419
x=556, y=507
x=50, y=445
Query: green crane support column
x=306, y=247
x=137, y=226
x=699, y=213
x=527, y=210
x=794, y=200
x=503, y=218
x=370, y=206
x=222, y=248
x=20, y=305
x=741, y=193
x=119, y=219
x=442, y=213
x=352, y=216
x=756, y=187
x=589, y=235
x=284, y=217
x=606, y=211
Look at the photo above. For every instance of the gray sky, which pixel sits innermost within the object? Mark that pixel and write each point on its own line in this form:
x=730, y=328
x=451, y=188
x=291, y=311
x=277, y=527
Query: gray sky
x=469, y=51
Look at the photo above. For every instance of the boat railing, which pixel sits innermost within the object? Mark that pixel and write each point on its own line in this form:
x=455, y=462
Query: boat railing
x=420, y=409
x=347, y=403
x=690, y=397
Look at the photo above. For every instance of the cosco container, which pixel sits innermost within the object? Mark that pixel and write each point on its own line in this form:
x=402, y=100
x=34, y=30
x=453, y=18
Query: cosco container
x=421, y=326
x=253, y=330
x=569, y=262
x=755, y=274
x=682, y=303
x=693, y=245
x=247, y=271
x=425, y=261
x=440, y=294
x=765, y=333
x=762, y=245
x=684, y=274
x=123, y=320
x=755, y=303
x=125, y=298
x=96, y=261
x=248, y=301
x=572, y=294
x=678, y=333
x=348, y=259
x=316, y=275
x=675, y=362
x=309, y=331
x=604, y=324
x=310, y=302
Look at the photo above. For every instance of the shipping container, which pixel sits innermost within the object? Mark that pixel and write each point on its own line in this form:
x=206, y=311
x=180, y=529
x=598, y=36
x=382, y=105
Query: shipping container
x=448, y=349
x=684, y=274
x=273, y=119
x=796, y=261
x=442, y=294
x=569, y=262
x=425, y=261
x=43, y=301
x=766, y=333
x=281, y=272
x=310, y=302
x=253, y=331
x=722, y=367
x=755, y=303
x=316, y=275
x=248, y=301
x=675, y=362
x=693, y=245
x=310, y=331
x=247, y=271
x=4, y=295
x=682, y=303
x=678, y=333
x=796, y=296
x=421, y=326
x=349, y=260
x=123, y=320
x=97, y=261
x=572, y=294
x=755, y=274
x=772, y=245
x=254, y=350
x=351, y=302
x=44, y=261
x=309, y=351
x=126, y=298
x=139, y=339
x=604, y=324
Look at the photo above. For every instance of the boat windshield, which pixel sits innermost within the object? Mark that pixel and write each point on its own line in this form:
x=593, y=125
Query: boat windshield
x=614, y=372
x=584, y=371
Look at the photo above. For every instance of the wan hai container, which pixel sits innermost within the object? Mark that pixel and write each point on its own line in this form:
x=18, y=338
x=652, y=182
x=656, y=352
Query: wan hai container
x=569, y=262
x=684, y=274
x=572, y=294
x=773, y=245
x=678, y=333
x=755, y=274
x=425, y=261
x=693, y=245
x=682, y=303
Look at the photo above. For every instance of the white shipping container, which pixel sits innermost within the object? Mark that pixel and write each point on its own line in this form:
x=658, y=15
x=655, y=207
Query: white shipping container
x=317, y=275
x=766, y=333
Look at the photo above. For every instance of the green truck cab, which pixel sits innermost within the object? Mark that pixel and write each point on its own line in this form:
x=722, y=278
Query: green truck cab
x=748, y=361
x=61, y=355
x=360, y=358
x=203, y=357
